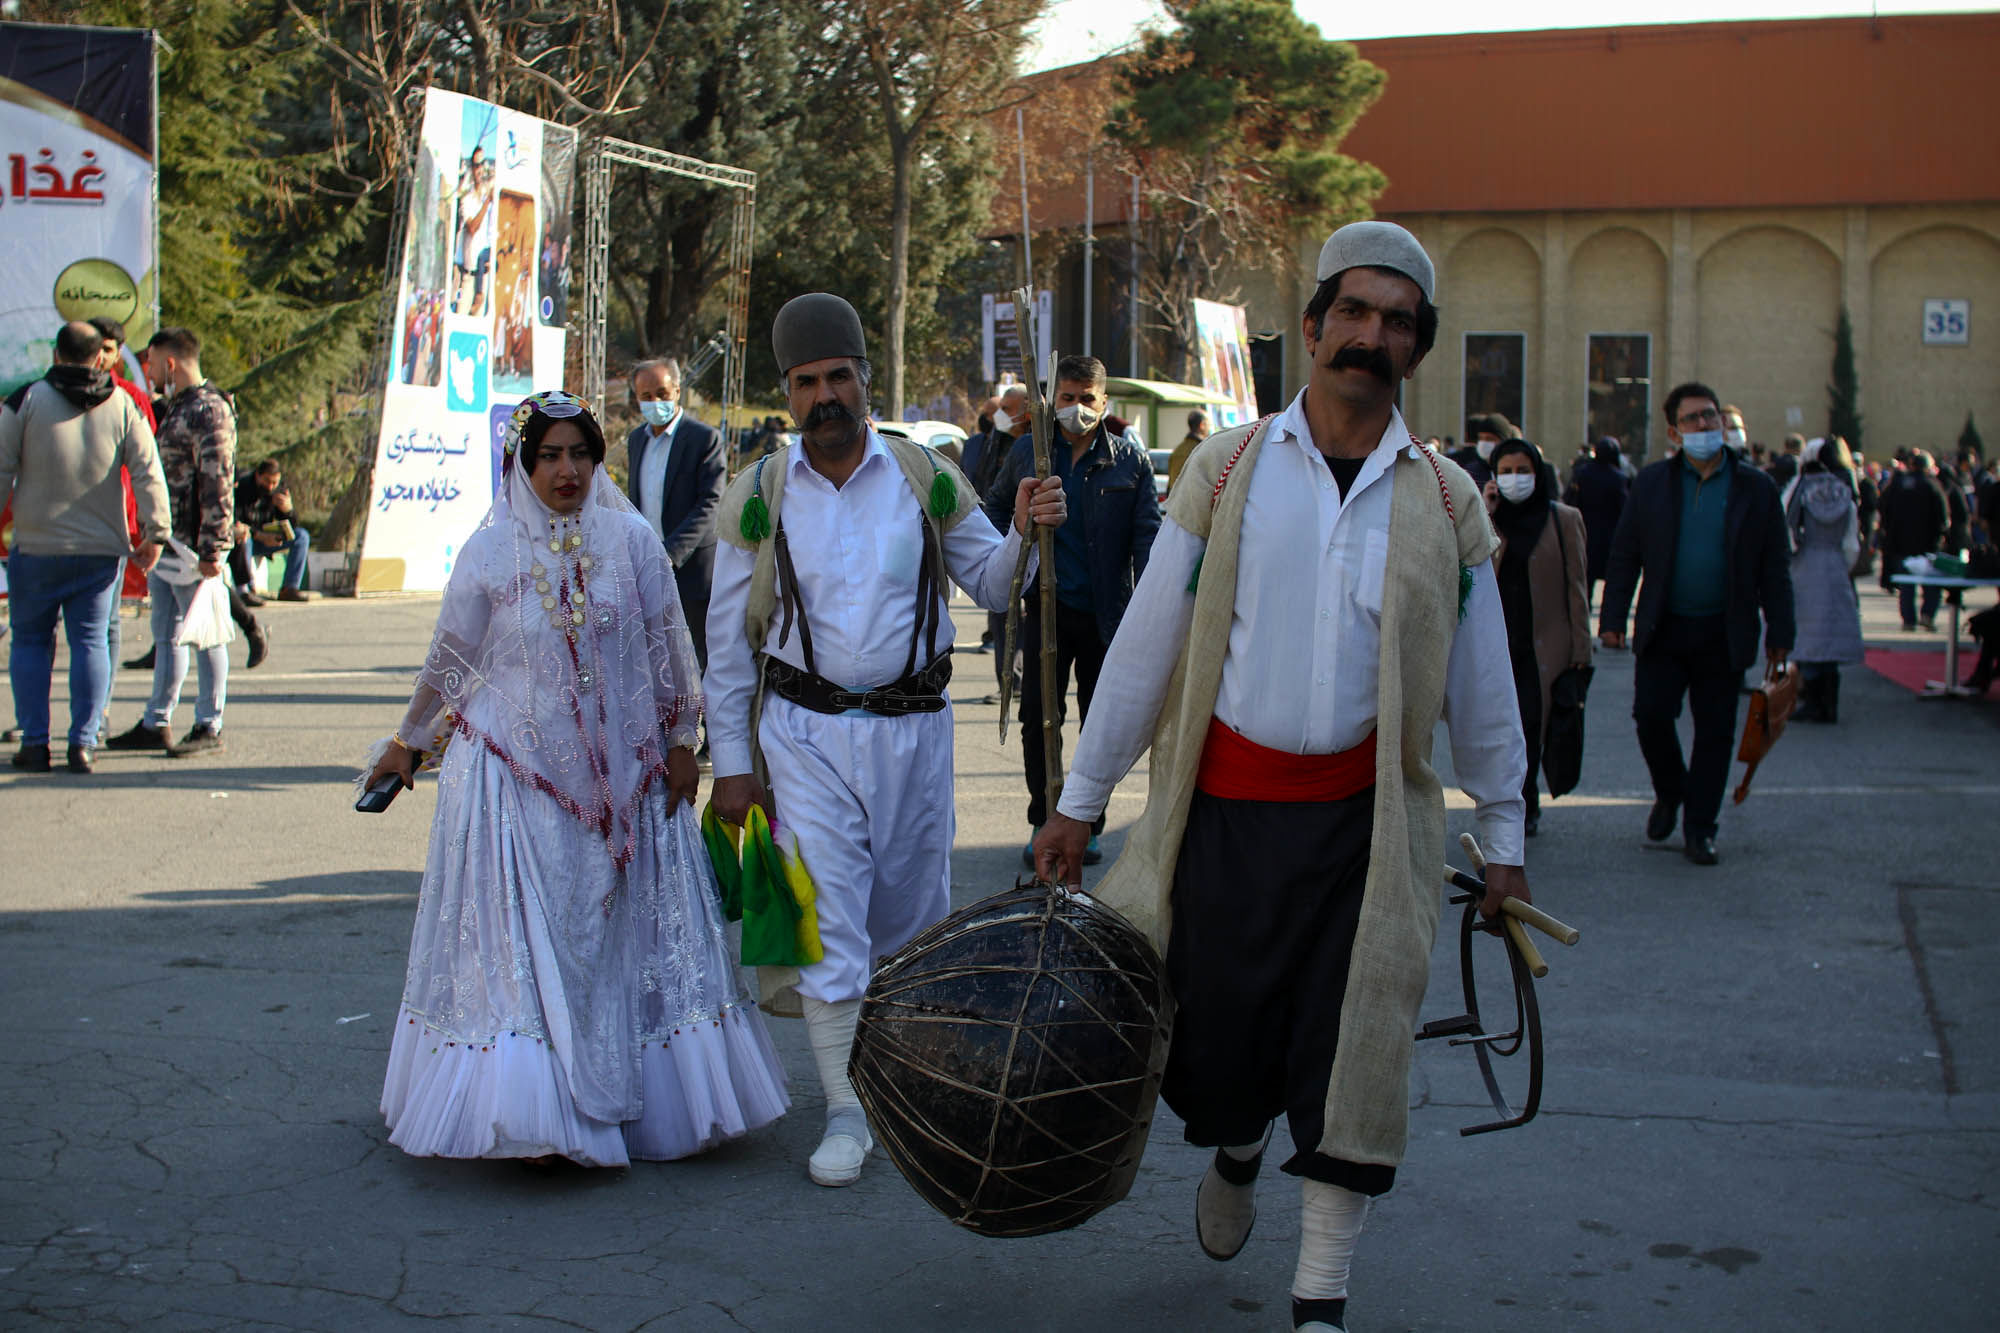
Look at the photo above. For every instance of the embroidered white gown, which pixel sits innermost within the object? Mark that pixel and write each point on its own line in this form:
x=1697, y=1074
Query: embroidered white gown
x=570, y=988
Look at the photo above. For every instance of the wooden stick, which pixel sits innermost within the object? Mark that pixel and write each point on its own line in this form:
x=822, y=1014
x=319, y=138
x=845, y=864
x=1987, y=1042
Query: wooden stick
x=1527, y=913
x=1529, y=953
x=1045, y=544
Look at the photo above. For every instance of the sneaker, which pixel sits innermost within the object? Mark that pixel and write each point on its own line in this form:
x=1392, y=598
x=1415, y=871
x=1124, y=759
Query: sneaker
x=294, y=595
x=1028, y=852
x=837, y=1161
x=260, y=646
x=32, y=758
x=1092, y=854
x=198, y=740
x=140, y=737
x=79, y=759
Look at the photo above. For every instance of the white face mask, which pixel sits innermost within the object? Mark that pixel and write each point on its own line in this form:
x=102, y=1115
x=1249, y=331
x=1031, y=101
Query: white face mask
x=1485, y=448
x=1077, y=418
x=1737, y=439
x=1516, y=486
x=1003, y=421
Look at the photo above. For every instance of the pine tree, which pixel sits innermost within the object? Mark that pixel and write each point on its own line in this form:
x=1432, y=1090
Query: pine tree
x=1843, y=395
x=1969, y=441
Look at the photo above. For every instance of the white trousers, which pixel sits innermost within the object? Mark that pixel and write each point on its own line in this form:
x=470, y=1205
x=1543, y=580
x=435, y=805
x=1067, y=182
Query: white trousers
x=870, y=799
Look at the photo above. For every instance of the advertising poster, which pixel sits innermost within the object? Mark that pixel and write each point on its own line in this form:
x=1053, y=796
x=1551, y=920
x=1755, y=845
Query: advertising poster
x=481, y=304
x=77, y=188
x=1000, y=335
x=1223, y=353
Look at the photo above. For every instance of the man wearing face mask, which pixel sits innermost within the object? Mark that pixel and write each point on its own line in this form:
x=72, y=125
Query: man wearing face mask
x=1100, y=554
x=1487, y=430
x=1706, y=531
x=1734, y=433
x=675, y=477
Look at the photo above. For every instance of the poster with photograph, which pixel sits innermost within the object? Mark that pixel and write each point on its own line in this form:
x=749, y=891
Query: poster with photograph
x=558, y=208
x=77, y=182
x=470, y=336
x=1222, y=336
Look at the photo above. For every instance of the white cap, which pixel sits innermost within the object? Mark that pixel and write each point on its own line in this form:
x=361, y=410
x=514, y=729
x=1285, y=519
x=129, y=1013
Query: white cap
x=1378, y=245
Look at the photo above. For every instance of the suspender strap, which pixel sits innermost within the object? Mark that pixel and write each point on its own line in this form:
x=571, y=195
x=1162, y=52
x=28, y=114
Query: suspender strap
x=788, y=599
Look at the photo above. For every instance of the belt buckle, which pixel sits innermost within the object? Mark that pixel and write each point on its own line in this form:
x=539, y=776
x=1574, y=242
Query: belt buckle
x=845, y=699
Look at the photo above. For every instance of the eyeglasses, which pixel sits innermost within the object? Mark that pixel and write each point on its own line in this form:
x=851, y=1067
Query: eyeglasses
x=1708, y=416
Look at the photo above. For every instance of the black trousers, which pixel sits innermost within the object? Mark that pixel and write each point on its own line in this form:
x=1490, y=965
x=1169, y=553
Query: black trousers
x=1266, y=902
x=1077, y=646
x=1688, y=656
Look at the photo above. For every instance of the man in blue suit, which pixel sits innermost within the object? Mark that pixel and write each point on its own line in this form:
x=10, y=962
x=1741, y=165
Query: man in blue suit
x=676, y=478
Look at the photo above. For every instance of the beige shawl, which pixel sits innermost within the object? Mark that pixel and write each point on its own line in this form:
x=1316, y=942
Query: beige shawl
x=1367, y=1098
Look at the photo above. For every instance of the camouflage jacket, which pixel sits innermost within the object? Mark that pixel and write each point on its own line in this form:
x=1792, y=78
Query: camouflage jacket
x=197, y=442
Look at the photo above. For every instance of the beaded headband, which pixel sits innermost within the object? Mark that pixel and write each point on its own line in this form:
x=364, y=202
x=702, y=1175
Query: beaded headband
x=556, y=404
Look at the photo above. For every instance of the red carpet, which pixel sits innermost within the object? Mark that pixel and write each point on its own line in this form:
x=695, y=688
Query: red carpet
x=1912, y=669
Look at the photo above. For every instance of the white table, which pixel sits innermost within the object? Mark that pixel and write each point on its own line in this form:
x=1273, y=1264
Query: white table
x=1954, y=597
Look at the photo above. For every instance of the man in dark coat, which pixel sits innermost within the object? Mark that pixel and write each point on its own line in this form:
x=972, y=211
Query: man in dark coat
x=1599, y=492
x=1915, y=516
x=1708, y=533
x=677, y=474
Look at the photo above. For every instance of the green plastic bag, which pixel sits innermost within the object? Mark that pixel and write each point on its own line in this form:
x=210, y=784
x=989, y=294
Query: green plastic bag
x=780, y=925
x=722, y=839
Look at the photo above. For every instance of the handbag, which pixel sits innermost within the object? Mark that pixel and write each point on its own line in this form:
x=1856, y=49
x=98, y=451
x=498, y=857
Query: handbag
x=1771, y=705
x=1562, y=737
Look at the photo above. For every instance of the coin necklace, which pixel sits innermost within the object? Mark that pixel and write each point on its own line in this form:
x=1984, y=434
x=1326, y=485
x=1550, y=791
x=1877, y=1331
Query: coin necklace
x=562, y=589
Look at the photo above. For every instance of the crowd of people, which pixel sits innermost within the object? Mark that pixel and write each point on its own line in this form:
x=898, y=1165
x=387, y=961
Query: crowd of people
x=121, y=490
x=1284, y=631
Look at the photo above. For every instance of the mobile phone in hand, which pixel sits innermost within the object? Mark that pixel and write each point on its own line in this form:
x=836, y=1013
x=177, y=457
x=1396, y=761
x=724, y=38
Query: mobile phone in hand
x=376, y=799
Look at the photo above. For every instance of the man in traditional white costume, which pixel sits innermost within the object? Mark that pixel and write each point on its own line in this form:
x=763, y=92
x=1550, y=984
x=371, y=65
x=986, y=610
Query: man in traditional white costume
x=1321, y=592
x=570, y=991
x=829, y=640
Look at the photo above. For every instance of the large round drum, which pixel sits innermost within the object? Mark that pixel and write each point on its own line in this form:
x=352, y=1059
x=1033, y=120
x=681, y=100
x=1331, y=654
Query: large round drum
x=1009, y=1058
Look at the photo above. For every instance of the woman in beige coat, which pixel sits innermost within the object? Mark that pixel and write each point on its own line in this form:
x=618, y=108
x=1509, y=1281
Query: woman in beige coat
x=1541, y=565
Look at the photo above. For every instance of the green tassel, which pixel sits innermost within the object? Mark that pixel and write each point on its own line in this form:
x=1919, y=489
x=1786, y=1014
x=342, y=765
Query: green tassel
x=944, y=496
x=1464, y=588
x=756, y=519
x=1195, y=577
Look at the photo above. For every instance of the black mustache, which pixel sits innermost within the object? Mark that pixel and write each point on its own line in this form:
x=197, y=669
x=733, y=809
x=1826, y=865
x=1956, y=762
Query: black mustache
x=822, y=413
x=1371, y=359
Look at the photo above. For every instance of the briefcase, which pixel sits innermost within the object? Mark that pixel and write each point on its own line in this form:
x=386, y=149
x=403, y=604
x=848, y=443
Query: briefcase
x=1771, y=705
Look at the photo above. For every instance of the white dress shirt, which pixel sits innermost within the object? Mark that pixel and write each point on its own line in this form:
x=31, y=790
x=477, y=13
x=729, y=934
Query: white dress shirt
x=1304, y=653
x=856, y=549
x=658, y=453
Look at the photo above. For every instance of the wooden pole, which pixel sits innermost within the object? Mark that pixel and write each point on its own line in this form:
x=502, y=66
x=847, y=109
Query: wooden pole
x=1045, y=545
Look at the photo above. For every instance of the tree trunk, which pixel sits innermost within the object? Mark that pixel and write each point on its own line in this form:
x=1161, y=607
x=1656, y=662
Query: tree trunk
x=900, y=151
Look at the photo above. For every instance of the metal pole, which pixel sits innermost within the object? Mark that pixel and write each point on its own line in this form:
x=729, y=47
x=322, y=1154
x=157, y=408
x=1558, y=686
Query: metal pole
x=1027, y=247
x=596, y=270
x=1089, y=236
x=1133, y=295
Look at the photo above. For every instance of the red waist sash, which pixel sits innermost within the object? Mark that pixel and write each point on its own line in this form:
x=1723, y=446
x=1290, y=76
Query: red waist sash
x=1236, y=768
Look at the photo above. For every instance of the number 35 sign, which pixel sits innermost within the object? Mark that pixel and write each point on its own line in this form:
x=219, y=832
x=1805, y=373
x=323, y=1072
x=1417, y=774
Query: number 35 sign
x=1947, y=323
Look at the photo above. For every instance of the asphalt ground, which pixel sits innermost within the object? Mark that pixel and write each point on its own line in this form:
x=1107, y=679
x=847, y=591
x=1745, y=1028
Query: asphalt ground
x=1770, y=1098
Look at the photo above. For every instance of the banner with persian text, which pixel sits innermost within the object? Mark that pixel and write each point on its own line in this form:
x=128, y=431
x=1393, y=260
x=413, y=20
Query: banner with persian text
x=77, y=187
x=481, y=304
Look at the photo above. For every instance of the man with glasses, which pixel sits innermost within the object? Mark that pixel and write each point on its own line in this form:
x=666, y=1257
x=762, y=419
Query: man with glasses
x=1706, y=530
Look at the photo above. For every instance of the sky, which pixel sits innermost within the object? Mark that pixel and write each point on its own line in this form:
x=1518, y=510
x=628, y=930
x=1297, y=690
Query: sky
x=1079, y=30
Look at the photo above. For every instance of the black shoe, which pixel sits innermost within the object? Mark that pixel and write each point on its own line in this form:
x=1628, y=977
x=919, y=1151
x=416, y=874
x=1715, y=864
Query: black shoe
x=32, y=758
x=1660, y=824
x=143, y=662
x=260, y=647
x=79, y=759
x=249, y=598
x=1701, y=850
x=199, y=740
x=140, y=737
x=1532, y=825
x=1930, y=624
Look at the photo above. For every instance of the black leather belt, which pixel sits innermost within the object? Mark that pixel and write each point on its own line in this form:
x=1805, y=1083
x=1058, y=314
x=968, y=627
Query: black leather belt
x=918, y=692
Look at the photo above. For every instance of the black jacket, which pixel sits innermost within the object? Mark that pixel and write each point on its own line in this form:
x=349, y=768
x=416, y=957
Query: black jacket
x=1757, y=559
x=1599, y=493
x=696, y=476
x=1117, y=505
x=1914, y=515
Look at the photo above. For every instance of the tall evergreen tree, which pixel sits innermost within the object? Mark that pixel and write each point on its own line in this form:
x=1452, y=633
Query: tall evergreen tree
x=1969, y=441
x=1843, y=393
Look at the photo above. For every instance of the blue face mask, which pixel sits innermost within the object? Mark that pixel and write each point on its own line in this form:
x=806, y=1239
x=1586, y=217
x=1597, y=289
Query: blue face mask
x=658, y=411
x=1701, y=445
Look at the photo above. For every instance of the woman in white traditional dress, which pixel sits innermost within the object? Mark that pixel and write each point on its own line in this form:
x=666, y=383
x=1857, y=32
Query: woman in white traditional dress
x=570, y=991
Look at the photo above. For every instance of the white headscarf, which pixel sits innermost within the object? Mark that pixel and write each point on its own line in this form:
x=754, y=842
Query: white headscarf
x=562, y=647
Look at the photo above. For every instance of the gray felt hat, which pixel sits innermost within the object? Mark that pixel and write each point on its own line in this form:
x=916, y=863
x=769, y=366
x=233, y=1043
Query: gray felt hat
x=1378, y=245
x=814, y=327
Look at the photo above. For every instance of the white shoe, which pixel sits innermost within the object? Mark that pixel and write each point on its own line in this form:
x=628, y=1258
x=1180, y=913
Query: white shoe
x=837, y=1161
